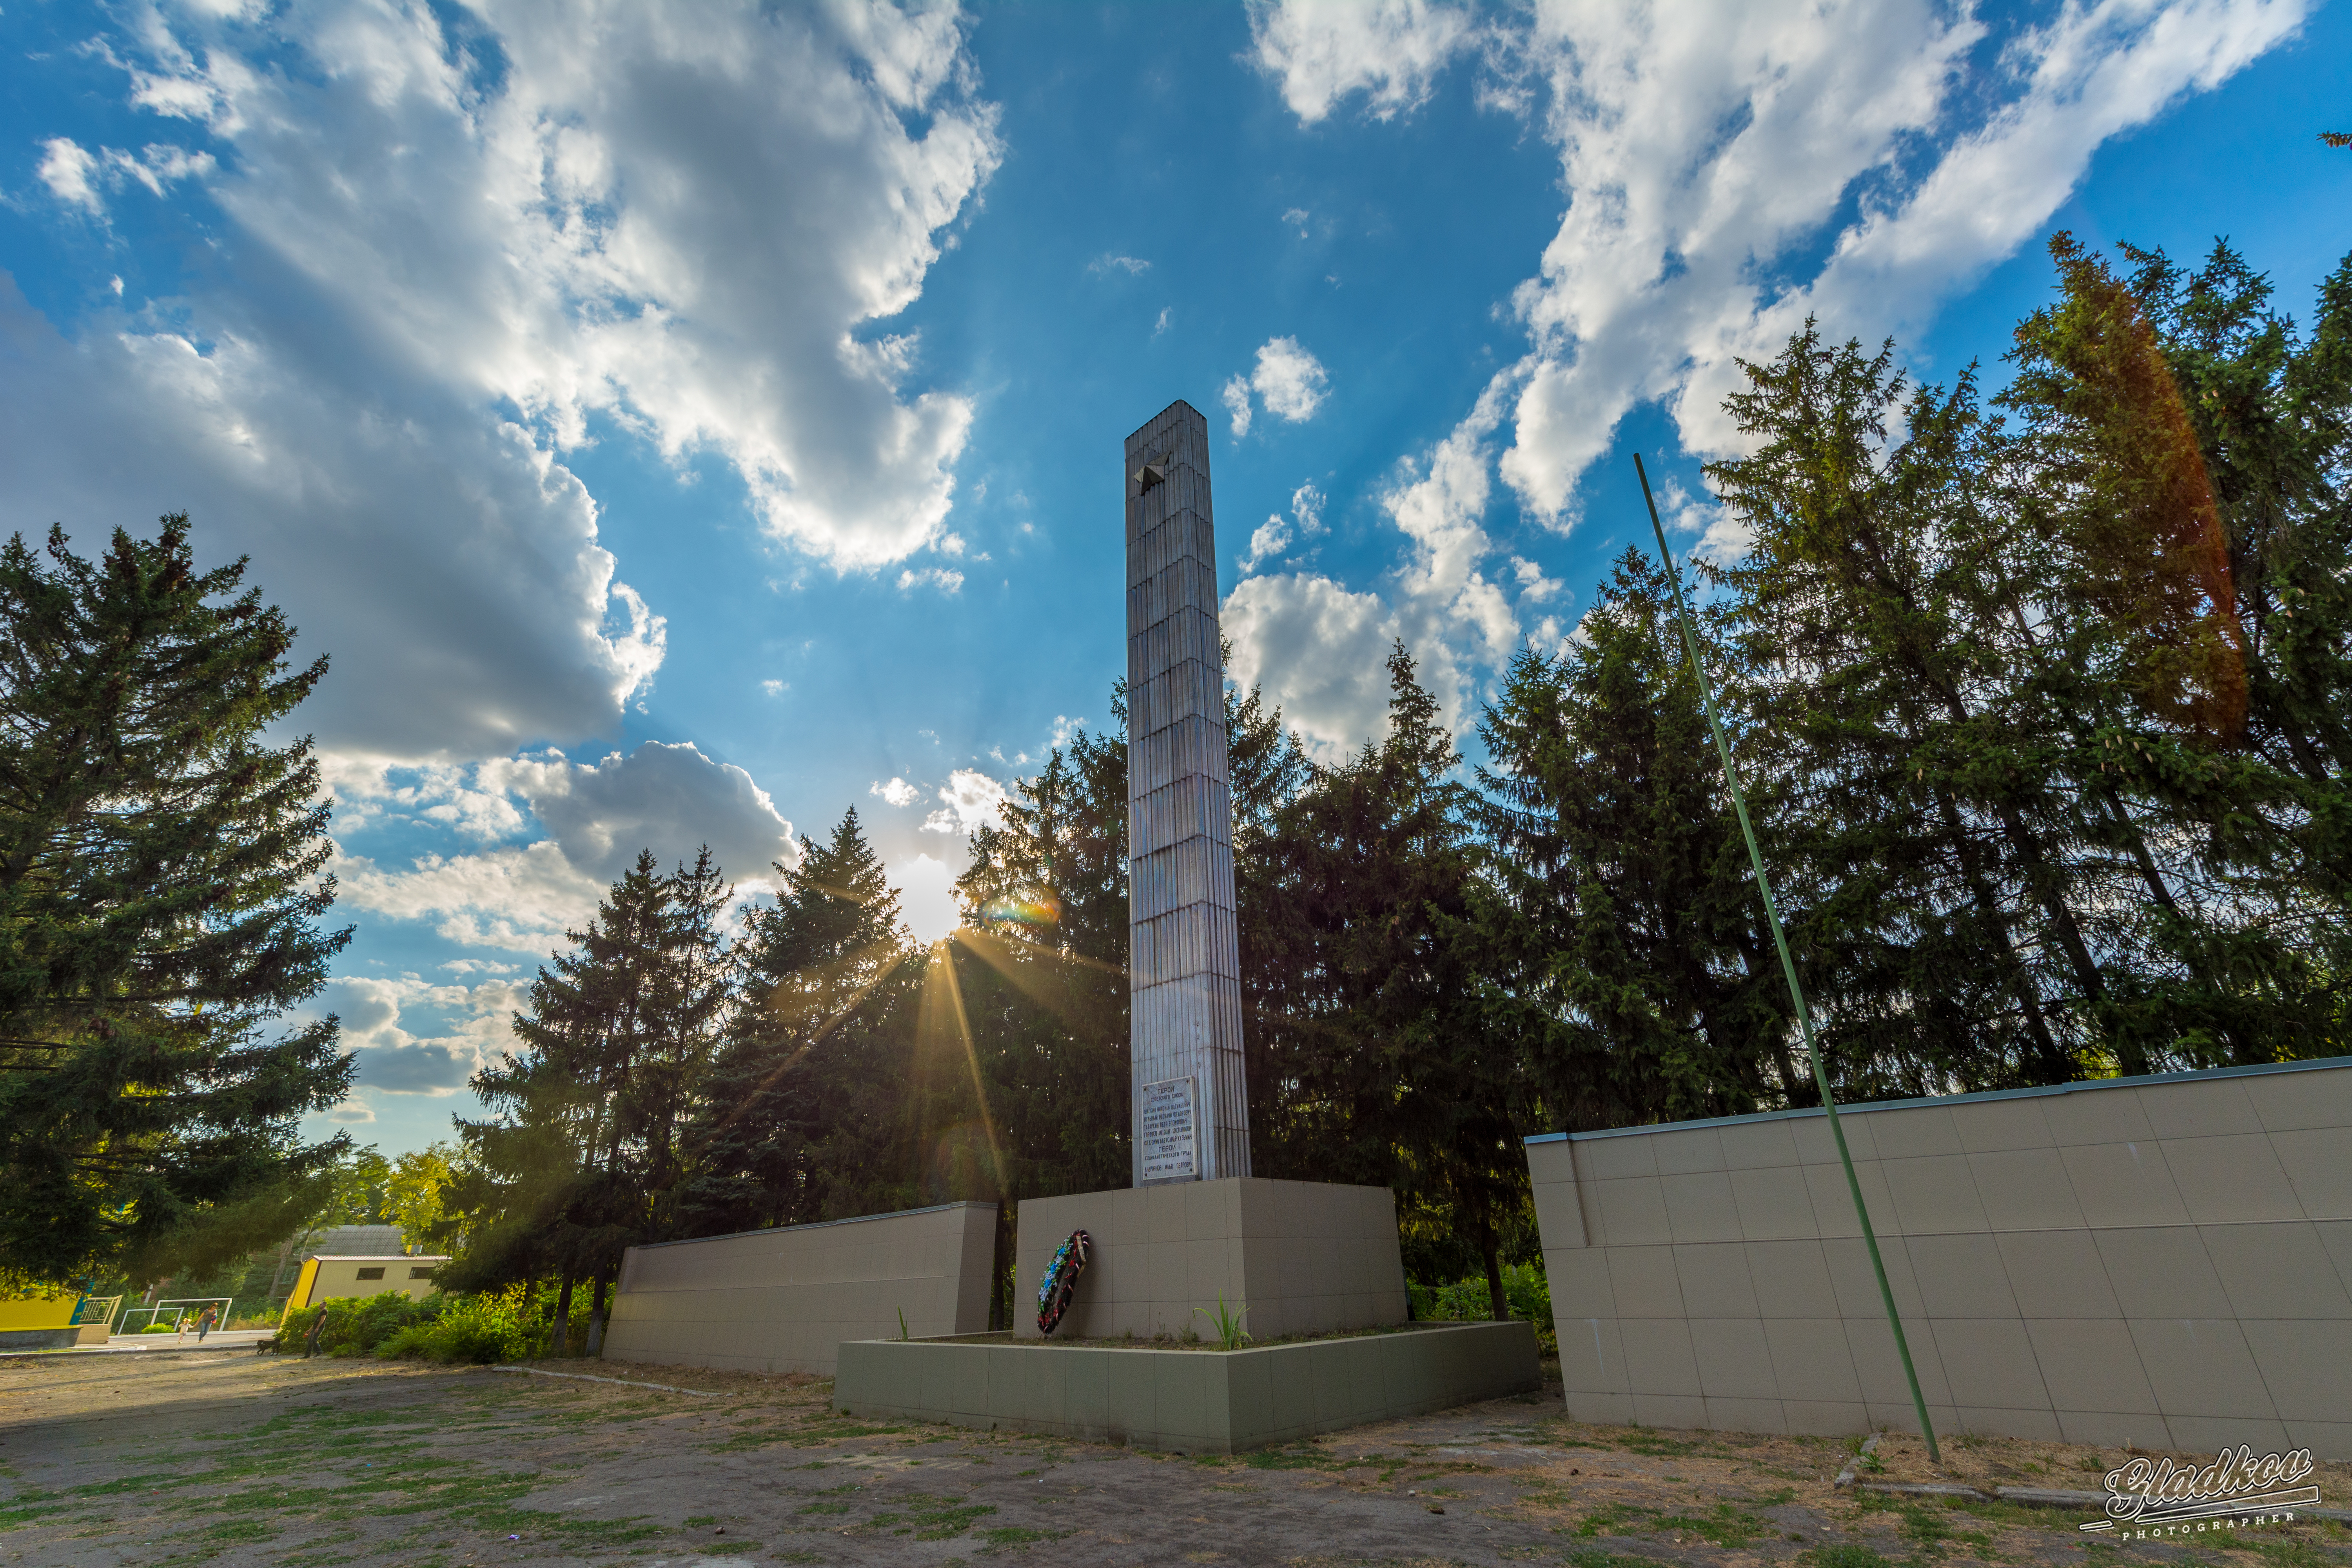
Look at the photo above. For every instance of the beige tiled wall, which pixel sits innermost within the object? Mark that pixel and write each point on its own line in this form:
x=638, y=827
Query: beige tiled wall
x=783, y=1299
x=1304, y=1256
x=2163, y=1261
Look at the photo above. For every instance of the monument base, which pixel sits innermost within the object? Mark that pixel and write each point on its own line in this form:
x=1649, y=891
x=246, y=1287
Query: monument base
x=1186, y=1401
x=1303, y=1257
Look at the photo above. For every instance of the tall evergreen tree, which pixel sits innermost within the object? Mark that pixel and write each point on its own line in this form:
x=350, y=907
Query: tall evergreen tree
x=585, y=1158
x=159, y=891
x=1628, y=963
x=803, y=1119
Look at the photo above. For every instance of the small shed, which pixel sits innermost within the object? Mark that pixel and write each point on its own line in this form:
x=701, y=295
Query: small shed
x=327, y=1278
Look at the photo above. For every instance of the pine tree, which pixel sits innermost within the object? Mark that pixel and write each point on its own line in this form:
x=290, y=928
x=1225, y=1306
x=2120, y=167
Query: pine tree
x=2184, y=453
x=1928, y=840
x=1628, y=964
x=585, y=1158
x=160, y=890
x=800, y=1118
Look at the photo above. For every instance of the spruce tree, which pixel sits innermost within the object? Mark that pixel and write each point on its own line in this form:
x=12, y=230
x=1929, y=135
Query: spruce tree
x=799, y=1119
x=1628, y=960
x=160, y=886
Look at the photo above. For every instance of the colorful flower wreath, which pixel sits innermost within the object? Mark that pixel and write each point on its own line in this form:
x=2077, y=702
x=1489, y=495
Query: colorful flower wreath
x=1061, y=1281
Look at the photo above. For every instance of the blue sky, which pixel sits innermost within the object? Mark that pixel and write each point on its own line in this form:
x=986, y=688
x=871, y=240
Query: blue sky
x=681, y=423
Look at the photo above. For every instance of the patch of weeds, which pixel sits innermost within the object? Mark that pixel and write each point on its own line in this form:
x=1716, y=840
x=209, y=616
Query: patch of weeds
x=236, y=1530
x=1298, y=1456
x=701, y=1518
x=1726, y=1525
x=1843, y=1556
x=947, y=1521
x=1617, y=1519
x=2286, y=1551
x=1658, y=1446
x=823, y=1507
x=1006, y=1535
x=1023, y=1475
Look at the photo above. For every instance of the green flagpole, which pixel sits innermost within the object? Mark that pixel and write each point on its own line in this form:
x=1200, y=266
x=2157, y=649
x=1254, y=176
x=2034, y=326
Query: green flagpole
x=1789, y=966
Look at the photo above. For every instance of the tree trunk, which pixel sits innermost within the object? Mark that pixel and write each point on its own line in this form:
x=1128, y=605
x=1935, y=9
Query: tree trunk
x=558, y=1342
x=1490, y=1247
x=595, y=1346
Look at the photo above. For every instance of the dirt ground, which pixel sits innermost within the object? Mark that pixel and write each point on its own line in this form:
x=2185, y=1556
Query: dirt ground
x=235, y=1459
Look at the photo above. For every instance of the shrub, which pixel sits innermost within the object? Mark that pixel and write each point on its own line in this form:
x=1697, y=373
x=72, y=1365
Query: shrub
x=1525, y=1289
x=469, y=1329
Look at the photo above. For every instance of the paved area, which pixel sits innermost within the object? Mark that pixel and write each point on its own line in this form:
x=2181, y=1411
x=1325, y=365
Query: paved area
x=166, y=1460
x=142, y=1344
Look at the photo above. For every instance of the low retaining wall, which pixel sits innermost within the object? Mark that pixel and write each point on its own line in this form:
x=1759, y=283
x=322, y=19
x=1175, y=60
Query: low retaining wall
x=2162, y=1260
x=783, y=1299
x=1188, y=1401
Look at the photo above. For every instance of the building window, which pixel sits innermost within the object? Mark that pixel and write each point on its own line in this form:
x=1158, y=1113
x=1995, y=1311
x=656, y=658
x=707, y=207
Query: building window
x=420, y=1274
x=371, y=1273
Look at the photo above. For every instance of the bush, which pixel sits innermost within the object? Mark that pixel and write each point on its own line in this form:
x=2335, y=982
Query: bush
x=1525, y=1289
x=469, y=1329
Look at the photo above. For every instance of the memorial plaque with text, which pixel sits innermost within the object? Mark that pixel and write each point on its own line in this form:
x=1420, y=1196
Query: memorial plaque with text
x=1165, y=1131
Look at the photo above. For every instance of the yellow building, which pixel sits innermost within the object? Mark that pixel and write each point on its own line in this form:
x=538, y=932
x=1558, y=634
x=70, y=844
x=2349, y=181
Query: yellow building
x=51, y=1322
x=328, y=1279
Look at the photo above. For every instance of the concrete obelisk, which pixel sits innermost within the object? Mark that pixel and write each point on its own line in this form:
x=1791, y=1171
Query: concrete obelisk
x=1191, y=1105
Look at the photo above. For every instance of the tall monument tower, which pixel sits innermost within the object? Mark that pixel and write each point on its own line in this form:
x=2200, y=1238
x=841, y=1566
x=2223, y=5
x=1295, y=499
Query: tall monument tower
x=1191, y=1105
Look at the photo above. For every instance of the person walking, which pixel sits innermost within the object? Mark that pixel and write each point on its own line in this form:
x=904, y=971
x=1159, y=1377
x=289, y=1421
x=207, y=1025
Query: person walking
x=205, y=1323
x=318, y=1327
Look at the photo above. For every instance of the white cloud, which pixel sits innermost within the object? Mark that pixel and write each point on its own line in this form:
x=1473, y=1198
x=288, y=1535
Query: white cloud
x=945, y=579
x=520, y=899
x=1289, y=379
x=1277, y=533
x=670, y=799
x=1297, y=219
x=441, y=256
x=1705, y=144
x=1318, y=650
x=1669, y=263
x=66, y=169
x=1236, y=396
x=927, y=898
x=898, y=791
x=1390, y=50
x=75, y=175
x=392, y=1059
x=1112, y=263
x=968, y=799
x=772, y=688
x=1162, y=325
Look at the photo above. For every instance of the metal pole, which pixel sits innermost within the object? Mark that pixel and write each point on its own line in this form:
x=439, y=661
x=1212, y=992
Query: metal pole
x=1788, y=966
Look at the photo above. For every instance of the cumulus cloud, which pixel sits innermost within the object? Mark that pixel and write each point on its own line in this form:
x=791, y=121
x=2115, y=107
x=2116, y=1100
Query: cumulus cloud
x=945, y=579
x=446, y=253
x=473, y=1021
x=1731, y=167
x=1317, y=649
x=1289, y=379
x=1708, y=144
x=898, y=791
x=1390, y=50
x=1277, y=533
x=670, y=799
x=968, y=799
